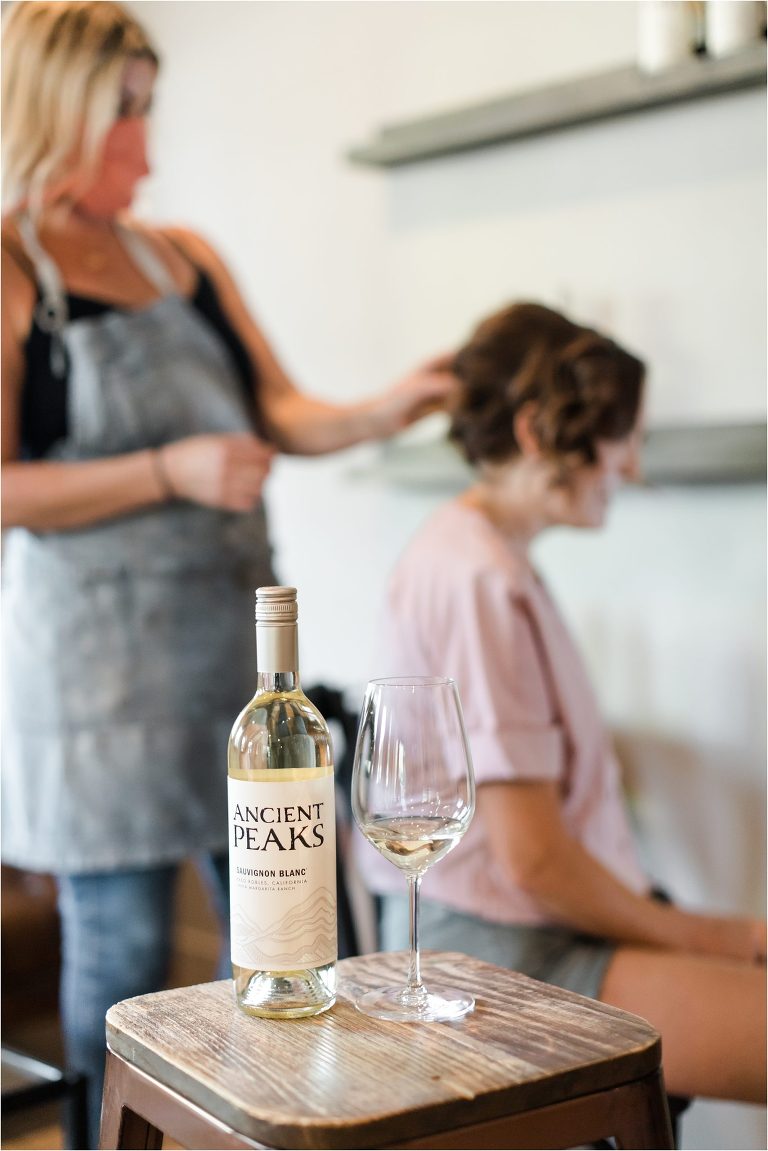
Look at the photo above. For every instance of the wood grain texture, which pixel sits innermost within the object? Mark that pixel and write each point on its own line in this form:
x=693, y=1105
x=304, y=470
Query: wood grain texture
x=344, y=1080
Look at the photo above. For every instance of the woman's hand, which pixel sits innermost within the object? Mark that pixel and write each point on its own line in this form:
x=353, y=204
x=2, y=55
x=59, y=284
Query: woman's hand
x=302, y=424
x=729, y=937
x=429, y=388
x=218, y=471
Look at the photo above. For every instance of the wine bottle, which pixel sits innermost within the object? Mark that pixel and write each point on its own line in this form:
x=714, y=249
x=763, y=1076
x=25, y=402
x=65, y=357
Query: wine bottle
x=282, y=835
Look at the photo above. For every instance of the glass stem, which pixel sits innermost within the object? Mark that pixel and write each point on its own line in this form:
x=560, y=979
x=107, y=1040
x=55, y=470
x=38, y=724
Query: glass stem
x=415, y=986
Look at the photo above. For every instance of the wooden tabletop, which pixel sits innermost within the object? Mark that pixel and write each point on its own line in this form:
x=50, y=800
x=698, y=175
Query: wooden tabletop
x=344, y=1080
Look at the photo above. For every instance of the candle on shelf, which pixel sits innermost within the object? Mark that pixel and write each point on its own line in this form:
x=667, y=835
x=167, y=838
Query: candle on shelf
x=732, y=25
x=666, y=33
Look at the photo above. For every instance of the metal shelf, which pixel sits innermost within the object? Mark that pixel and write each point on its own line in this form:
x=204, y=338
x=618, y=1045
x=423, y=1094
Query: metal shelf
x=582, y=101
x=705, y=454
x=685, y=454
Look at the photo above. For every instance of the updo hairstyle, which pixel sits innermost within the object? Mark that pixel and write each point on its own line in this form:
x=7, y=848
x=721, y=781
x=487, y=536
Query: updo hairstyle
x=581, y=386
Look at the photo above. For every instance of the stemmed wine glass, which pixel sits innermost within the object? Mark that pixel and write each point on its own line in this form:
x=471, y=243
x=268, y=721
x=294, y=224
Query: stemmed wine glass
x=413, y=796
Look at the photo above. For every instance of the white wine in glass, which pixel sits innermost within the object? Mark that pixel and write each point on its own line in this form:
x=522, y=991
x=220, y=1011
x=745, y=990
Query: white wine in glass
x=413, y=796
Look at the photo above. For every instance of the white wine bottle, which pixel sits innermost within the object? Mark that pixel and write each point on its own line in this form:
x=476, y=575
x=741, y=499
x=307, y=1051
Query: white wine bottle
x=282, y=831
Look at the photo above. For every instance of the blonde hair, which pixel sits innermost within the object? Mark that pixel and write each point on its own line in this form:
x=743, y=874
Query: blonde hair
x=62, y=65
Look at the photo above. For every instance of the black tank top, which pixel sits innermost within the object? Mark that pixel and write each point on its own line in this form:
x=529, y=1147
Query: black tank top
x=44, y=397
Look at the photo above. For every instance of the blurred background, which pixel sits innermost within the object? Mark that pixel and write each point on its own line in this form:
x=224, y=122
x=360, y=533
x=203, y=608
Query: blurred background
x=650, y=224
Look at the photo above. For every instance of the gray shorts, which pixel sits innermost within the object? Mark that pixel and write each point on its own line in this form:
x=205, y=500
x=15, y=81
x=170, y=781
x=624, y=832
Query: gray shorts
x=553, y=954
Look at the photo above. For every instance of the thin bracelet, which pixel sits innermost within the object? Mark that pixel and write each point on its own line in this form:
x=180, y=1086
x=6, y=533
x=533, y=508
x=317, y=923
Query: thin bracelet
x=168, y=491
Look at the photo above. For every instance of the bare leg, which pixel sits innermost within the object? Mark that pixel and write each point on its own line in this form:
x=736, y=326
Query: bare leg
x=711, y=1014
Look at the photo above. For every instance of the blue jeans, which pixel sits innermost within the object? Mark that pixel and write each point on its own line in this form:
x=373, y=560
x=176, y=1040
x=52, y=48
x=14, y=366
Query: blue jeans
x=116, y=935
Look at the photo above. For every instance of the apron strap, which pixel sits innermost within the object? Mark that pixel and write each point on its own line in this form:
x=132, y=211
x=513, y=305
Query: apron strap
x=146, y=259
x=51, y=311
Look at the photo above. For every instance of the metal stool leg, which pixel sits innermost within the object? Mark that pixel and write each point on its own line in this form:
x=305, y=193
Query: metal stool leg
x=645, y=1120
x=121, y=1127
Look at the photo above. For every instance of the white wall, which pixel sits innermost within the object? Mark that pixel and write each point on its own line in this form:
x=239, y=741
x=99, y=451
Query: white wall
x=652, y=225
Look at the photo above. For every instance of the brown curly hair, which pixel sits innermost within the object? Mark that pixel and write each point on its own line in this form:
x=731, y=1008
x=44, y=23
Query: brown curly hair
x=582, y=387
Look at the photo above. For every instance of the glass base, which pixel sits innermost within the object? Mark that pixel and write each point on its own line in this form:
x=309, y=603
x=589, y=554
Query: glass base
x=285, y=994
x=436, y=1004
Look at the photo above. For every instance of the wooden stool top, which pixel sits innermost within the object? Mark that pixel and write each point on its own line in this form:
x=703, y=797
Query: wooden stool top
x=345, y=1080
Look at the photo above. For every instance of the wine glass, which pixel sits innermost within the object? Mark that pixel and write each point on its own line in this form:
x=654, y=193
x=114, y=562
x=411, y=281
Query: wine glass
x=413, y=796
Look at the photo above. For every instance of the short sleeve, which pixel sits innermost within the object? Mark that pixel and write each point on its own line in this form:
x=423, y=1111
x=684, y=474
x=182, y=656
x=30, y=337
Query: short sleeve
x=493, y=650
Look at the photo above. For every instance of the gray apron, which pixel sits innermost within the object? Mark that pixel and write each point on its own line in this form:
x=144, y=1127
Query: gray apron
x=128, y=646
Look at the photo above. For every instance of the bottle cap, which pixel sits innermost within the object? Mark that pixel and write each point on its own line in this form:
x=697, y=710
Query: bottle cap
x=276, y=605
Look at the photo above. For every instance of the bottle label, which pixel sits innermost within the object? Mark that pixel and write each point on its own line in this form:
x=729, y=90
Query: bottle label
x=282, y=873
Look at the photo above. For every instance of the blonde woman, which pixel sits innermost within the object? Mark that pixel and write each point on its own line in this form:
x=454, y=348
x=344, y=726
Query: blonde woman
x=142, y=407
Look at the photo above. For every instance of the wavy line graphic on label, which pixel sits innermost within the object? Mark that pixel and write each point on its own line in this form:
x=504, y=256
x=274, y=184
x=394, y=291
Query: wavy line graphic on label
x=304, y=936
x=315, y=954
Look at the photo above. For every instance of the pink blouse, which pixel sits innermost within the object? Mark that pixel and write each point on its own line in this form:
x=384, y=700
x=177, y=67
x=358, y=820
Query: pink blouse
x=462, y=603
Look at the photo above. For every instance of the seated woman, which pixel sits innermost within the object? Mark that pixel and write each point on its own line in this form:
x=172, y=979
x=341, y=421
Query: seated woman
x=546, y=881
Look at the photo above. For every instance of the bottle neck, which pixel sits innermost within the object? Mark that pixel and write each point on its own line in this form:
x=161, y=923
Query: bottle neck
x=277, y=681
x=277, y=654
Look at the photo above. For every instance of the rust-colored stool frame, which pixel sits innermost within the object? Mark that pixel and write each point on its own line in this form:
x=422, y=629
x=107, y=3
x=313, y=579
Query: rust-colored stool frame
x=534, y=1067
